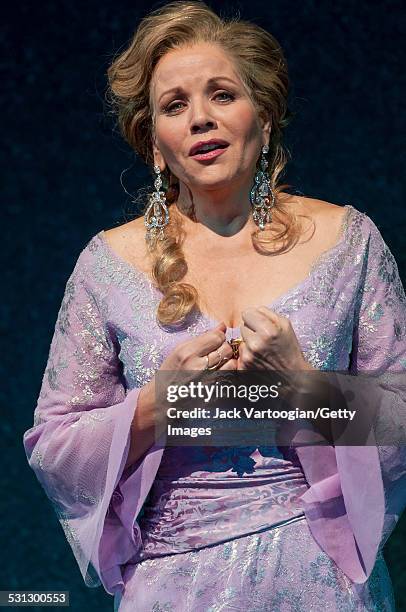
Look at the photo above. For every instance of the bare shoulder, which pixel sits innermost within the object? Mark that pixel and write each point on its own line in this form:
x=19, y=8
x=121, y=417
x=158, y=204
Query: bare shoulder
x=128, y=242
x=328, y=218
x=317, y=209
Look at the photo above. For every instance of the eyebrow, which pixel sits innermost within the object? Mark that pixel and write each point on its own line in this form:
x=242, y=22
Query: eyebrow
x=210, y=81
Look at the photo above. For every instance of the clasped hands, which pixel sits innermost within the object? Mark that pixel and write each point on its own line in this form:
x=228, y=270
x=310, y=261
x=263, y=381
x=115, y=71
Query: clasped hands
x=268, y=342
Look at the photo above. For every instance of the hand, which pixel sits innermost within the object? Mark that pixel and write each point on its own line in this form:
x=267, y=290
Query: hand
x=192, y=354
x=150, y=418
x=269, y=342
x=188, y=356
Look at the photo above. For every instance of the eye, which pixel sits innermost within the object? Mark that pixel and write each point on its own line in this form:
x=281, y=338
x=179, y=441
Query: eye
x=175, y=106
x=225, y=93
x=171, y=107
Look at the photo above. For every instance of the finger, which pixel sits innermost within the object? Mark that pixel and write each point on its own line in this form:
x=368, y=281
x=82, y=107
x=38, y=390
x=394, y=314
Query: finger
x=241, y=354
x=209, y=341
x=231, y=364
x=224, y=352
x=272, y=316
x=263, y=320
x=252, y=315
x=247, y=334
x=253, y=318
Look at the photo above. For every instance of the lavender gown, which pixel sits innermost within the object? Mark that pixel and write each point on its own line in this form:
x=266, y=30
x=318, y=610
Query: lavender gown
x=187, y=530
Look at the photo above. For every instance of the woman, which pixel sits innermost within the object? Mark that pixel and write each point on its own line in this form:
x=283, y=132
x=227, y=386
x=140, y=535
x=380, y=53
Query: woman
x=203, y=101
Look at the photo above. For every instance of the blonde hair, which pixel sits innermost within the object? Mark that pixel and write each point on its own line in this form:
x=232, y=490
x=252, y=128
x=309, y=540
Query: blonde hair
x=263, y=70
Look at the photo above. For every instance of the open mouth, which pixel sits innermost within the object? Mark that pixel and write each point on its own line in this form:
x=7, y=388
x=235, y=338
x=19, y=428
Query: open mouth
x=209, y=151
x=210, y=147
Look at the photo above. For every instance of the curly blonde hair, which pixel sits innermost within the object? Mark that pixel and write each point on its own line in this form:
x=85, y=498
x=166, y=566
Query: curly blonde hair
x=262, y=68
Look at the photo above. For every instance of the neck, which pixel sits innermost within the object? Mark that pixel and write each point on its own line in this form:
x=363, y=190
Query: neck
x=222, y=211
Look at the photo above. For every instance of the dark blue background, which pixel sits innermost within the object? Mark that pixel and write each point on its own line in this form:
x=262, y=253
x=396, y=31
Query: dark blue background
x=62, y=164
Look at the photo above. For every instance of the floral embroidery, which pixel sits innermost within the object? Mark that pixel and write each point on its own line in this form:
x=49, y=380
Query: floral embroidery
x=348, y=314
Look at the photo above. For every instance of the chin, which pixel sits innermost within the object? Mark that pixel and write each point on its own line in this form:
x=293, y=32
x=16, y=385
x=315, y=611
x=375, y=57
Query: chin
x=216, y=181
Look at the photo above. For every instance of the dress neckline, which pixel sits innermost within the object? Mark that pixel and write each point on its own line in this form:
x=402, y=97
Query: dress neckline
x=321, y=258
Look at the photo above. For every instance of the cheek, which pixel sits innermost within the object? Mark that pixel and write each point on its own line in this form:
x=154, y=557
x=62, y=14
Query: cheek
x=170, y=141
x=246, y=130
x=249, y=128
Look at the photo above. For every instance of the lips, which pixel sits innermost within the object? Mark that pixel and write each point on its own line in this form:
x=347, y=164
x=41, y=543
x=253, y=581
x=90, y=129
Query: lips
x=221, y=144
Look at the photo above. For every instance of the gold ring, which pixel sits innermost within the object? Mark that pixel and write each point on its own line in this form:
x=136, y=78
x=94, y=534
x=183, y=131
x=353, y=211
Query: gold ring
x=235, y=344
x=215, y=366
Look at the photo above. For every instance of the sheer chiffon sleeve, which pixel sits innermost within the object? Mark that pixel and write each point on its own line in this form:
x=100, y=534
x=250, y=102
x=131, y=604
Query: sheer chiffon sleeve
x=357, y=493
x=79, y=442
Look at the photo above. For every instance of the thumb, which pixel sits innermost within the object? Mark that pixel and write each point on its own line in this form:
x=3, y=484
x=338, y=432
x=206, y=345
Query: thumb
x=222, y=326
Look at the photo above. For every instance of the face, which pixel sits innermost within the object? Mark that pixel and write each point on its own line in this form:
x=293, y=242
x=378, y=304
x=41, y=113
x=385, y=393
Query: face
x=197, y=95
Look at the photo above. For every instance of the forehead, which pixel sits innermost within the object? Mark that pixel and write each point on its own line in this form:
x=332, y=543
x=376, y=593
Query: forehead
x=190, y=66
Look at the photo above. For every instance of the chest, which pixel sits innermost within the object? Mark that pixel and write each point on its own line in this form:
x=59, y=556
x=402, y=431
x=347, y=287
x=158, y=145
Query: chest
x=231, y=285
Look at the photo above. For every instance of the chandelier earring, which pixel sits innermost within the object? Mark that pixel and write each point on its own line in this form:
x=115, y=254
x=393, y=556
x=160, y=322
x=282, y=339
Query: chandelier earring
x=156, y=216
x=262, y=197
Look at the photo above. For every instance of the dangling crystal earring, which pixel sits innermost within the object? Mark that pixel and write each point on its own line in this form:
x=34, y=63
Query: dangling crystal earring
x=157, y=215
x=262, y=197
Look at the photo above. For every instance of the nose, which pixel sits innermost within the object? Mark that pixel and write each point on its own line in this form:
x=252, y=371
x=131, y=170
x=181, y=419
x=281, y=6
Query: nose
x=201, y=118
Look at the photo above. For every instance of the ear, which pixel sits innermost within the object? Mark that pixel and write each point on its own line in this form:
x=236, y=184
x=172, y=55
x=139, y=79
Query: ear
x=158, y=157
x=266, y=125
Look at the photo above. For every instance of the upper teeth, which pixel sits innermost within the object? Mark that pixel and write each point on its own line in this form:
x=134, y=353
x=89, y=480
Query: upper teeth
x=208, y=147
